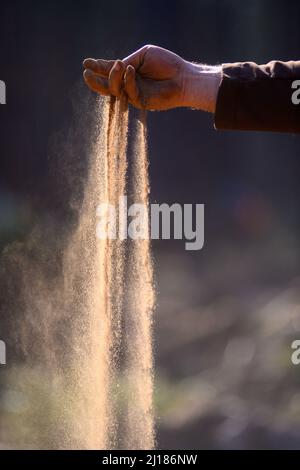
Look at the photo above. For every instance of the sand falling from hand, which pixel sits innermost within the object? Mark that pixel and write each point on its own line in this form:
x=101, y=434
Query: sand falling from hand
x=81, y=307
x=110, y=285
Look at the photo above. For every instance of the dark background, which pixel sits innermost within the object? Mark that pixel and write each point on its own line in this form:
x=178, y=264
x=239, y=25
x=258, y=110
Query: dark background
x=237, y=299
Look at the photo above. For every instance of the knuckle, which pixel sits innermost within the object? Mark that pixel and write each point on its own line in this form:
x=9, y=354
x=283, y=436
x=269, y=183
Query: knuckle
x=149, y=46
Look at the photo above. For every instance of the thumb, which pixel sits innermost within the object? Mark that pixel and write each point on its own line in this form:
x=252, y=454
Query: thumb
x=136, y=59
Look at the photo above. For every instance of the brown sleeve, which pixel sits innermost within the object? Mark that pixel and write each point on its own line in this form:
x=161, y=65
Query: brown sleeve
x=258, y=97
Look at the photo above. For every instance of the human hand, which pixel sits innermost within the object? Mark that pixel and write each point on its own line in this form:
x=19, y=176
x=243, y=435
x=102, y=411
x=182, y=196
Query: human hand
x=156, y=79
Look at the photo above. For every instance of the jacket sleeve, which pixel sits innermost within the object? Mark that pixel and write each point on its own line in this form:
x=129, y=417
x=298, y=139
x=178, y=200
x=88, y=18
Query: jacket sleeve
x=258, y=97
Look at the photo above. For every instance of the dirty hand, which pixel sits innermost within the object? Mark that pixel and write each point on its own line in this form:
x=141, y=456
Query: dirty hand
x=156, y=79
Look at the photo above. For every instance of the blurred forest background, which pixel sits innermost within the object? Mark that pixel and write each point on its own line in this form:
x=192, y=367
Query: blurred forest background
x=226, y=315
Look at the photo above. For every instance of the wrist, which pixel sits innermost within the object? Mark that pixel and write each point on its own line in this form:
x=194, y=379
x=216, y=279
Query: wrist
x=200, y=86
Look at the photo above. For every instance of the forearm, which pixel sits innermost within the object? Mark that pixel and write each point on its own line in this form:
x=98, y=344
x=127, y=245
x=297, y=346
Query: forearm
x=258, y=97
x=245, y=96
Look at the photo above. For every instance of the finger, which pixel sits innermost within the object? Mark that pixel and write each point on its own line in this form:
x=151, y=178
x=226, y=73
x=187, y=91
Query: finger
x=96, y=83
x=130, y=85
x=100, y=66
x=137, y=58
x=116, y=77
